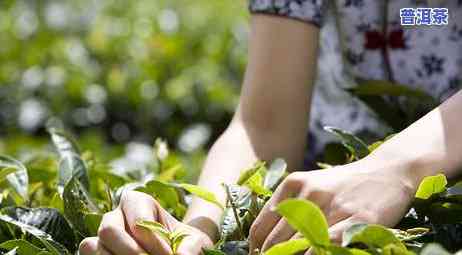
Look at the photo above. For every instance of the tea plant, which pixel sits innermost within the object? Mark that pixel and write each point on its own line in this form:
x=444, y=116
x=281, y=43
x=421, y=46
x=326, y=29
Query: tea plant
x=51, y=201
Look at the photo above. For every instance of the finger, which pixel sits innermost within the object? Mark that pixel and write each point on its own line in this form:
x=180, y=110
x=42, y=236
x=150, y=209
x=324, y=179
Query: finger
x=192, y=245
x=139, y=206
x=113, y=236
x=281, y=232
x=267, y=218
x=88, y=246
x=336, y=231
x=309, y=252
x=92, y=246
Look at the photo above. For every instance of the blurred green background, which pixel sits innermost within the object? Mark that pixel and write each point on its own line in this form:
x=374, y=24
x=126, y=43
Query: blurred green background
x=118, y=74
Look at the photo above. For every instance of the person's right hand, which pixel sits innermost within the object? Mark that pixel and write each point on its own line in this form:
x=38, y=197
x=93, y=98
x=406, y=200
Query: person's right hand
x=118, y=233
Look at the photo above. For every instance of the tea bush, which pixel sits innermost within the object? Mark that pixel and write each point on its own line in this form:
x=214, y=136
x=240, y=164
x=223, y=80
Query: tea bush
x=50, y=202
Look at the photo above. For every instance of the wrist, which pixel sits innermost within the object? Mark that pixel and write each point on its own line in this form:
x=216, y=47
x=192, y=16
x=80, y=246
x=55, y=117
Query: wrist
x=204, y=216
x=205, y=225
x=410, y=171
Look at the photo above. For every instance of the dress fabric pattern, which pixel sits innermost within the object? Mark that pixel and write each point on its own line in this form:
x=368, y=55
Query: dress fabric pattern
x=424, y=57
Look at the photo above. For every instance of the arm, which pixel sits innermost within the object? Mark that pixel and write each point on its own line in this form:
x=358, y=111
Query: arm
x=271, y=121
x=272, y=117
x=377, y=189
x=431, y=145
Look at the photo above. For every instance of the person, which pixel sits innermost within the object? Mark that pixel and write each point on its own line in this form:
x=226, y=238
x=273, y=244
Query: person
x=272, y=119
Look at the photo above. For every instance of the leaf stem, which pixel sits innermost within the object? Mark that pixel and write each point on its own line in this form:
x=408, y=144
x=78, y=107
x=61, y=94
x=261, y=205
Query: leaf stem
x=236, y=214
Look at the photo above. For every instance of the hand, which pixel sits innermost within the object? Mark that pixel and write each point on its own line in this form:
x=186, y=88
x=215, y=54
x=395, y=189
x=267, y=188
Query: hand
x=118, y=233
x=361, y=192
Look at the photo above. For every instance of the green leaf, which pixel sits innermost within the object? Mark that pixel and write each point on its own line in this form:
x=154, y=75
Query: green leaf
x=289, y=247
x=63, y=142
x=255, y=184
x=201, y=193
x=71, y=164
x=23, y=247
x=57, y=203
x=390, y=113
x=12, y=252
x=156, y=228
x=337, y=250
x=18, y=179
x=247, y=174
x=239, y=205
x=213, y=252
x=374, y=236
x=355, y=251
x=374, y=146
x=393, y=249
x=431, y=185
x=46, y=239
x=410, y=234
x=4, y=172
x=297, y=211
x=176, y=238
x=92, y=222
x=274, y=175
x=166, y=195
x=323, y=165
x=355, y=145
x=335, y=154
x=386, y=88
x=48, y=220
x=78, y=203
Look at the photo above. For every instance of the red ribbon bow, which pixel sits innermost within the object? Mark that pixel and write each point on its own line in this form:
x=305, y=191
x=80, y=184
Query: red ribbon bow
x=376, y=40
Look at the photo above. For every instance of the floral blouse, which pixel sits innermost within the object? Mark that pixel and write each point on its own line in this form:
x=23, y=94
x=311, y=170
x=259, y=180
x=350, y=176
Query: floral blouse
x=427, y=57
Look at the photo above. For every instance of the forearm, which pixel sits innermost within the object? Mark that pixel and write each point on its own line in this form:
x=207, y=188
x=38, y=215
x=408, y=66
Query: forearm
x=272, y=118
x=236, y=150
x=429, y=146
x=223, y=165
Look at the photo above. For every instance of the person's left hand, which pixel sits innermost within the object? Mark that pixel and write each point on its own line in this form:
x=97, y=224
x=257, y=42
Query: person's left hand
x=361, y=192
x=119, y=233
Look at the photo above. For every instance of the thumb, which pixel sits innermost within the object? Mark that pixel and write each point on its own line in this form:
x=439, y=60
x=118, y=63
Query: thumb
x=191, y=245
x=194, y=242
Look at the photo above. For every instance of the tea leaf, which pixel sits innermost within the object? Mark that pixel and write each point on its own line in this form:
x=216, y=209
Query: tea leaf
x=78, y=203
x=289, y=247
x=18, y=179
x=239, y=201
x=386, y=88
x=247, y=174
x=255, y=184
x=165, y=194
x=22, y=247
x=53, y=246
x=297, y=211
x=48, y=220
x=71, y=164
x=275, y=174
x=370, y=235
x=213, y=252
x=156, y=228
x=355, y=145
x=92, y=222
x=431, y=185
x=201, y=193
x=176, y=239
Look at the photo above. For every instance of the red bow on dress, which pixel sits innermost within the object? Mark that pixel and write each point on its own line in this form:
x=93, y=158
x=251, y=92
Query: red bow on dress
x=376, y=40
